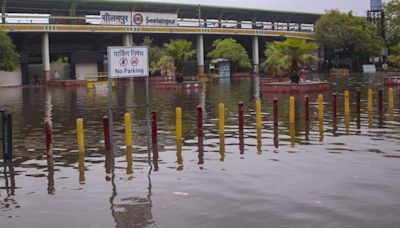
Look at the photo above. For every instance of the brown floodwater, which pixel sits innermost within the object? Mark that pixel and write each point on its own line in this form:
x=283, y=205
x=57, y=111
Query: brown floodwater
x=333, y=176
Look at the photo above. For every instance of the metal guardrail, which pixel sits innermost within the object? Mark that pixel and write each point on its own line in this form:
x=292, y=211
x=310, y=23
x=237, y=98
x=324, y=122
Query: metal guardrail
x=6, y=135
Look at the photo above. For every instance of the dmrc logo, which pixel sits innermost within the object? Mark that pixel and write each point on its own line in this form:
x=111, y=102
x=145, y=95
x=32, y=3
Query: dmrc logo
x=138, y=19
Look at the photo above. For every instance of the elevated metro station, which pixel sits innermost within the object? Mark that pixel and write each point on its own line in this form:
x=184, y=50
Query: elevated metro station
x=47, y=30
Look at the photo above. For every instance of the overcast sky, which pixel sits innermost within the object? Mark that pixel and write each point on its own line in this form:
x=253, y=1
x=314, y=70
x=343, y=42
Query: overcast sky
x=315, y=6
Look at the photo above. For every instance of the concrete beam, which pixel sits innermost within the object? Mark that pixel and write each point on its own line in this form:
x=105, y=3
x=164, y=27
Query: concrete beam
x=200, y=54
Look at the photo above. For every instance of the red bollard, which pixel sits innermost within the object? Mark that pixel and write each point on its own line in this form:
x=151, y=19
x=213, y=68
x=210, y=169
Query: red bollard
x=241, y=117
x=306, y=108
x=199, y=122
x=49, y=137
x=334, y=103
x=106, y=129
x=154, y=128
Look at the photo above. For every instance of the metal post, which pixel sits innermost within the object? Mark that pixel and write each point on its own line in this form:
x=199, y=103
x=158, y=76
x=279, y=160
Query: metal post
x=148, y=118
x=110, y=115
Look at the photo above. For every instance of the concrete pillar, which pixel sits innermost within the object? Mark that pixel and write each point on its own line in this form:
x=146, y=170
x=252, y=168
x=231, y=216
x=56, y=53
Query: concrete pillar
x=3, y=12
x=200, y=54
x=256, y=56
x=239, y=24
x=46, y=57
x=219, y=23
x=127, y=39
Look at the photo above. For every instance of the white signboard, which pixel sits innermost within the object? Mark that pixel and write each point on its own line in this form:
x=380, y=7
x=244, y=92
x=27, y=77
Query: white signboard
x=154, y=19
x=115, y=18
x=128, y=62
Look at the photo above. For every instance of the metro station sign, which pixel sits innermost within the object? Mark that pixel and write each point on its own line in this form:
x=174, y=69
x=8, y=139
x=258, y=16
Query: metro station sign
x=138, y=18
x=128, y=62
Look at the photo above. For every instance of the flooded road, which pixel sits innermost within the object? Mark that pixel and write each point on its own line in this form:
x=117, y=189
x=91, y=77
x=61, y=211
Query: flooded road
x=335, y=177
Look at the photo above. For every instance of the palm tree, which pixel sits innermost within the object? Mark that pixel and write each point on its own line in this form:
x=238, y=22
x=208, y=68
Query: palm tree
x=166, y=64
x=395, y=56
x=181, y=51
x=284, y=56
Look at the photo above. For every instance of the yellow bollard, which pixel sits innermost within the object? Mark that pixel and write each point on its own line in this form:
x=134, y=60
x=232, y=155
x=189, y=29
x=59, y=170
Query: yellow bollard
x=291, y=111
x=81, y=139
x=128, y=130
x=321, y=107
x=178, y=112
x=370, y=108
x=221, y=118
x=391, y=103
x=258, y=114
x=292, y=120
x=346, y=102
x=321, y=117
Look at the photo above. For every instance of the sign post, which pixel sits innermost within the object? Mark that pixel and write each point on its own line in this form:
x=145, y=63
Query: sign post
x=126, y=62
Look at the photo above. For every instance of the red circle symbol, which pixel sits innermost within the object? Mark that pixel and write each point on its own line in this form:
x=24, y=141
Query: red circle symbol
x=138, y=19
x=134, y=61
x=123, y=62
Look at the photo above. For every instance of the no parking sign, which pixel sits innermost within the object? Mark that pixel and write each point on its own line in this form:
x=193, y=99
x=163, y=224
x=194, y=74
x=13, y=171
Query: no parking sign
x=128, y=62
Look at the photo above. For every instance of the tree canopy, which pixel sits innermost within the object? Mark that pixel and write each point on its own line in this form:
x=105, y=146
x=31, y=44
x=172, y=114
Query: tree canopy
x=284, y=56
x=181, y=51
x=9, y=58
x=392, y=22
x=394, y=57
x=345, y=31
x=231, y=50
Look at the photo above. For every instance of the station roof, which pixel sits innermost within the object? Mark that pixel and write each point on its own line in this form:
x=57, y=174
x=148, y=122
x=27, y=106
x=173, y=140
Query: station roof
x=92, y=7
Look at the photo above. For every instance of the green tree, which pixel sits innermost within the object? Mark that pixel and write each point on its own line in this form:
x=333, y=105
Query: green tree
x=9, y=58
x=394, y=57
x=345, y=31
x=231, y=50
x=284, y=56
x=166, y=64
x=181, y=51
x=155, y=54
x=392, y=22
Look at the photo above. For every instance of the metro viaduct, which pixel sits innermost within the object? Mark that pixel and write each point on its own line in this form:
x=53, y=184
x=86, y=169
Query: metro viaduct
x=67, y=29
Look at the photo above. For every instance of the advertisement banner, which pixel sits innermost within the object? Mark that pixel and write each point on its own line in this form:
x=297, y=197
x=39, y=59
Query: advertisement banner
x=128, y=62
x=115, y=18
x=154, y=19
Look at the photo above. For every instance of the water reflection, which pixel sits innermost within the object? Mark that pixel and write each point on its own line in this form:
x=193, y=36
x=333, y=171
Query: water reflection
x=321, y=130
x=154, y=149
x=201, y=151
x=222, y=146
x=50, y=176
x=179, y=158
x=241, y=142
x=129, y=160
x=81, y=167
x=292, y=134
x=259, y=143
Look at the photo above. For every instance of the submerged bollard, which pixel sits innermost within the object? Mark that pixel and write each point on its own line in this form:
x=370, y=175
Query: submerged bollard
x=49, y=139
x=199, y=122
x=370, y=108
x=391, y=103
x=128, y=129
x=154, y=128
x=80, y=136
x=346, y=102
x=292, y=110
x=221, y=108
x=106, y=130
x=178, y=122
x=258, y=114
x=306, y=108
x=241, y=116
x=321, y=117
x=292, y=120
x=275, y=113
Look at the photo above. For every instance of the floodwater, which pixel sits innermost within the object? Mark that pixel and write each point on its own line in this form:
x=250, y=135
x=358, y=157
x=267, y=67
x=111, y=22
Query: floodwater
x=332, y=176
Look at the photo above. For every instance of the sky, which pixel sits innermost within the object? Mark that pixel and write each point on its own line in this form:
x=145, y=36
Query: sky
x=360, y=7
